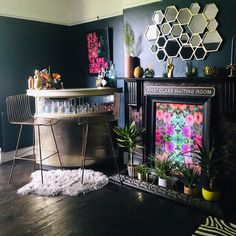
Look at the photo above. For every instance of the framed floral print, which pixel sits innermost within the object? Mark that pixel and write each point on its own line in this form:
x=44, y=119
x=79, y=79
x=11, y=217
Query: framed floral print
x=98, y=48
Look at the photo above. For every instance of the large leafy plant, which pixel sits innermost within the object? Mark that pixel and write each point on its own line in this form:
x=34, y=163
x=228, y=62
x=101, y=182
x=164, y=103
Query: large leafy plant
x=127, y=138
x=210, y=159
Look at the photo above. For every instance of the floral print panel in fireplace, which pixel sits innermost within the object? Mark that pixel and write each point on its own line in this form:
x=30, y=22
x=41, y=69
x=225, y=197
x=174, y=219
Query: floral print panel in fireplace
x=178, y=130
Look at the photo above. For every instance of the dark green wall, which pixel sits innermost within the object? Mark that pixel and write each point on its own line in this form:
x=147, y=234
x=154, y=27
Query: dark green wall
x=141, y=17
x=25, y=46
x=78, y=52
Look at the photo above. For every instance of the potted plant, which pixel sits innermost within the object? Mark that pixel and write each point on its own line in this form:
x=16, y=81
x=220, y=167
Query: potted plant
x=188, y=174
x=129, y=44
x=210, y=159
x=142, y=171
x=127, y=138
x=164, y=165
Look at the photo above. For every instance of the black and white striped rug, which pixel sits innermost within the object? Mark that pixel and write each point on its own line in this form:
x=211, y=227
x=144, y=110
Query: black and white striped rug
x=215, y=227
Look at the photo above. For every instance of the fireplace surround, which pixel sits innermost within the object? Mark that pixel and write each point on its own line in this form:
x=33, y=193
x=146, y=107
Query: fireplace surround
x=176, y=125
x=212, y=99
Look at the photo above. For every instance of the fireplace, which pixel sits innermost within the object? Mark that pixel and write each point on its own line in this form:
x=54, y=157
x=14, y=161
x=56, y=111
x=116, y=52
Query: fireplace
x=177, y=120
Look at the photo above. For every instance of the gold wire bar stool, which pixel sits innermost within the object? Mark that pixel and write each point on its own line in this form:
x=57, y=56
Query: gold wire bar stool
x=19, y=113
x=108, y=119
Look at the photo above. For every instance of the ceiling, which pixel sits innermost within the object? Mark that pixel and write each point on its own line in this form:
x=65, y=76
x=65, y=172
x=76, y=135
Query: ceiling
x=66, y=12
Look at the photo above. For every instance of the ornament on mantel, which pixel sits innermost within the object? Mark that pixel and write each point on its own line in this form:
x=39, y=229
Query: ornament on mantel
x=170, y=67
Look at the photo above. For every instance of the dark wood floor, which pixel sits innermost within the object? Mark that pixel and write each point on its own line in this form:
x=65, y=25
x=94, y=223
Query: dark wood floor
x=110, y=211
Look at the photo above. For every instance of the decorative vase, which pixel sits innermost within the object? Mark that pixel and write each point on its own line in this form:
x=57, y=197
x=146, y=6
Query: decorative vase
x=190, y=191
x=138, y=72
x=38, y=83
x=210, y=71
x=162, y=182
x=129, y=66
x=132, y=171
x=210, y=195
x=141, y=176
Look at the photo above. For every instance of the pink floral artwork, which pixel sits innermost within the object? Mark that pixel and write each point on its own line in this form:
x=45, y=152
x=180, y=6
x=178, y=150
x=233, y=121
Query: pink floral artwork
x=179, y=129
x=98, y=50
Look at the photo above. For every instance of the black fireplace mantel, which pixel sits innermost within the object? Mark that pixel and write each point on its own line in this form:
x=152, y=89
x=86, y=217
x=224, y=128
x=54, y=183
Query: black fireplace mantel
x=223, y=100
x=225, y=89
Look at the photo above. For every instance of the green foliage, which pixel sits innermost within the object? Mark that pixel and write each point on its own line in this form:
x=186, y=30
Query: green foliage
x=142, y=169
x=210, y=159
x=188, y=175
x=128, y=38
x=127, y=138
x=164, y=167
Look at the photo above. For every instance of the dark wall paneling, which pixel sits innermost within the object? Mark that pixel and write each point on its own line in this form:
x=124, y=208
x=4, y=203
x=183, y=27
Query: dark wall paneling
x=25, y=46
x=141, y=17
x=78, y=65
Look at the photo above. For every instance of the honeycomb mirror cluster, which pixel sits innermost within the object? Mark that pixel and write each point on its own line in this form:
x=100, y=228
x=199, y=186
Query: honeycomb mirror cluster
x=186, y=33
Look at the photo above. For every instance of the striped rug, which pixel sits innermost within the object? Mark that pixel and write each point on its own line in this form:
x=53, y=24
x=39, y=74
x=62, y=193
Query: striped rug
x=216, y=227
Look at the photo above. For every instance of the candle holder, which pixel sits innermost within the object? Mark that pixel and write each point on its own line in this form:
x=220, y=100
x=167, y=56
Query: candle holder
x=231, y=67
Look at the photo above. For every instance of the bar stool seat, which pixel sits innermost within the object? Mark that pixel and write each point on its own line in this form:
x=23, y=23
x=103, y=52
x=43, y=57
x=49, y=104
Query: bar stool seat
x=107, y=119
x=19, y=113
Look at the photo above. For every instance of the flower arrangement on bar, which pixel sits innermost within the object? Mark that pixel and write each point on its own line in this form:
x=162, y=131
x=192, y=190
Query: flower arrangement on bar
x=45, y=80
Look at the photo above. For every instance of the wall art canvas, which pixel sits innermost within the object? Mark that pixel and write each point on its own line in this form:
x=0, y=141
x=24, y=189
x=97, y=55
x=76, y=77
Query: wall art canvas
x=98, y=50
x=179, y=129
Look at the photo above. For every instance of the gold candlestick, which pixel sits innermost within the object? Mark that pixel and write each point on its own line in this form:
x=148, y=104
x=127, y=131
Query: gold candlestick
x=231, y=67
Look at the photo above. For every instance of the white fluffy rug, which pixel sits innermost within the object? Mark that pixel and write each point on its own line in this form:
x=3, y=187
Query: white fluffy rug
x=65, y=182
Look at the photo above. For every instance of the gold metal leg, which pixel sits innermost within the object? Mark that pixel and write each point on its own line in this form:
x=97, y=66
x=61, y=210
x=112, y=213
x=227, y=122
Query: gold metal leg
x=84, y=147
x=15, y=155
x=40, y=154
x=34, y=154
x=59, y=157
x=113, y=151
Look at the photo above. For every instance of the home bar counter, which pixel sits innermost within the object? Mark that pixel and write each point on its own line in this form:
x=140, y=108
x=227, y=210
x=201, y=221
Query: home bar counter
x=68, y=105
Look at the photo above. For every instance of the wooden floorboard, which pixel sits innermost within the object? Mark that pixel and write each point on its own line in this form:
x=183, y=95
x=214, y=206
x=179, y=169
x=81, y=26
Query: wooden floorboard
x=110, y=211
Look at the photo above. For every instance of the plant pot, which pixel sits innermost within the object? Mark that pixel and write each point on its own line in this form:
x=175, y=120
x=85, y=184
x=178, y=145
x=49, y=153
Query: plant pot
x=132, y=171
x=162, y=182
x=129, y=61
x=146, y=177
x=141, y=176
x=190, y=191
x=210, y=195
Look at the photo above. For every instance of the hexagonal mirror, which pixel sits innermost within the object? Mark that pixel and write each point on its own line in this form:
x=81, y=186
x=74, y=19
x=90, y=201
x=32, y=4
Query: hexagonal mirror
x=157, y=17
x=165, y=29
x=212, y=25
x=195, y=40
x=198, y=23
x=152, y=33
x=200, y=53
x=186, y=52
x=161, y=41
x=211, y=41
x=187, y=30
x=210, y=11
x=171, y=13
x=184, y=16
x=172, y=48
x=184, y=38
x=154, y=48
x=176, y=31
x=161, y=55
x=194, y=8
